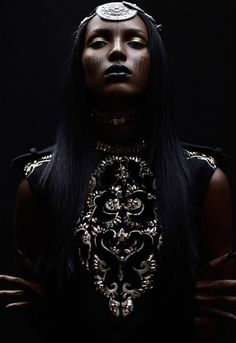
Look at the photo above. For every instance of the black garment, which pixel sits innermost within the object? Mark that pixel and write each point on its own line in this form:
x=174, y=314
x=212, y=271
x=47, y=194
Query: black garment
x=83, y=311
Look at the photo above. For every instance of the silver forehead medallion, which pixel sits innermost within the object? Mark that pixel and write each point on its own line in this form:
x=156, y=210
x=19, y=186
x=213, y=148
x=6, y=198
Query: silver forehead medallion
x=115, y=11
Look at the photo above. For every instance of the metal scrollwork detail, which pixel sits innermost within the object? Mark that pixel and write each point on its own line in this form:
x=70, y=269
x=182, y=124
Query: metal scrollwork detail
x=118, y=234
x=210, y=160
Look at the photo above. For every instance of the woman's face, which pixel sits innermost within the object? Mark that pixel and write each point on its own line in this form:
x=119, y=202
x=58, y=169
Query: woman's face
x=116, y=58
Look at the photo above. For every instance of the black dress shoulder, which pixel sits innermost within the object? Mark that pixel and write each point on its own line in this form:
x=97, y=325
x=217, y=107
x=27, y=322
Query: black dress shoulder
x=202, y=161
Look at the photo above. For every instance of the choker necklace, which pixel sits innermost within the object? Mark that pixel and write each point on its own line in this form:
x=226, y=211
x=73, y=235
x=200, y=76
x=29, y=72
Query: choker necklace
x=121, y=149
x=114, y=118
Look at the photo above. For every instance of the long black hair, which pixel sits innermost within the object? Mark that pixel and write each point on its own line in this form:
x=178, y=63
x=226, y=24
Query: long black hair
x=64, y=183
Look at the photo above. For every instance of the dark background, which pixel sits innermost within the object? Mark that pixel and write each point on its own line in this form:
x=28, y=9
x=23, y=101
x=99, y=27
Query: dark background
x=200, y=42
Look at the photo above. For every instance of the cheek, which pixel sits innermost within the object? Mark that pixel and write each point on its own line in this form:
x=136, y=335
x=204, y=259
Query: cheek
x=92, y=66
x=142, y=66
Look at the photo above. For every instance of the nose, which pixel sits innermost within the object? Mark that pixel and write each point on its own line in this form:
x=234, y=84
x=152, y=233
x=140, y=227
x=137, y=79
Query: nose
x=118, y=52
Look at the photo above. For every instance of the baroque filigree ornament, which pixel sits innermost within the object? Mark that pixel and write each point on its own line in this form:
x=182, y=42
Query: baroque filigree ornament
x=119, y=11
x=118, y=233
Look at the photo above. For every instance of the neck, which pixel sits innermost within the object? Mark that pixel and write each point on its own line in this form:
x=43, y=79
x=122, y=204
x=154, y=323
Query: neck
x=118, y=127
x=116, y=102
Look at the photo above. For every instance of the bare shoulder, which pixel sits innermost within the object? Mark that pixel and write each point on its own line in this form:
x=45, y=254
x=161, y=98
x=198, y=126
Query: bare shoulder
x=218, y=189
x=219, y=181
x=28, y=220
x=24, y=191
x=25, y=199
x=216, y=228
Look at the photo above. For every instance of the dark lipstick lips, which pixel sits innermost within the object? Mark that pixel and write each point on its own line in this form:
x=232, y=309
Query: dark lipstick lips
x=117, y=70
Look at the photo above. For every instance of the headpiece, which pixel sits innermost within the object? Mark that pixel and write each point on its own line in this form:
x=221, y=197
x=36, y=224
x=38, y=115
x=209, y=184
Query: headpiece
x=119, y=11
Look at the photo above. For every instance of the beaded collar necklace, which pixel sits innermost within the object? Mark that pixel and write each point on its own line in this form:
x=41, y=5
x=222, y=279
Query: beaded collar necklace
x=121, y=149
x=115, y=118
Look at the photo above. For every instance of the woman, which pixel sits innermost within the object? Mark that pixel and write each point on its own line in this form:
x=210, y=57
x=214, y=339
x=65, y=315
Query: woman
x=116, y=220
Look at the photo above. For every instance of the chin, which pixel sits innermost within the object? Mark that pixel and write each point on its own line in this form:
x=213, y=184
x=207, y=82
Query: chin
x=120, y=90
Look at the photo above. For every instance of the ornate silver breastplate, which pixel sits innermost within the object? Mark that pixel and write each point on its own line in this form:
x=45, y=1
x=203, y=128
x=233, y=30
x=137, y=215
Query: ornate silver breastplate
x=118, y=233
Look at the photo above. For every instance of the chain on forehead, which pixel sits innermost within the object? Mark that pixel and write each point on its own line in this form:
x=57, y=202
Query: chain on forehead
x=119, y=11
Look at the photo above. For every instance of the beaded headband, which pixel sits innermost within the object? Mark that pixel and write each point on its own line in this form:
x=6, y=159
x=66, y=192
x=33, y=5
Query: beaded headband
x=118, y=11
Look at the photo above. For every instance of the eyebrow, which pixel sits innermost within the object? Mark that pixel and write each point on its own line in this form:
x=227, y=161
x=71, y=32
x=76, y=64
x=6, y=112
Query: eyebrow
x=128, y=31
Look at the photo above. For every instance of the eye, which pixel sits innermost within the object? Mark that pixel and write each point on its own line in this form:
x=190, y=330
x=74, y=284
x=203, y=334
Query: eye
x=97, y=43
x=137, y=44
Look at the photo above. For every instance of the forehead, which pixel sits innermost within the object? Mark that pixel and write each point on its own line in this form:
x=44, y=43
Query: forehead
x=136, y=23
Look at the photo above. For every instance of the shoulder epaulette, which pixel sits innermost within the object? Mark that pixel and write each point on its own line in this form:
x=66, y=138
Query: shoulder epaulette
x=210, y=160
x=32, y=157
x=213, y=156
x=30, y=166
